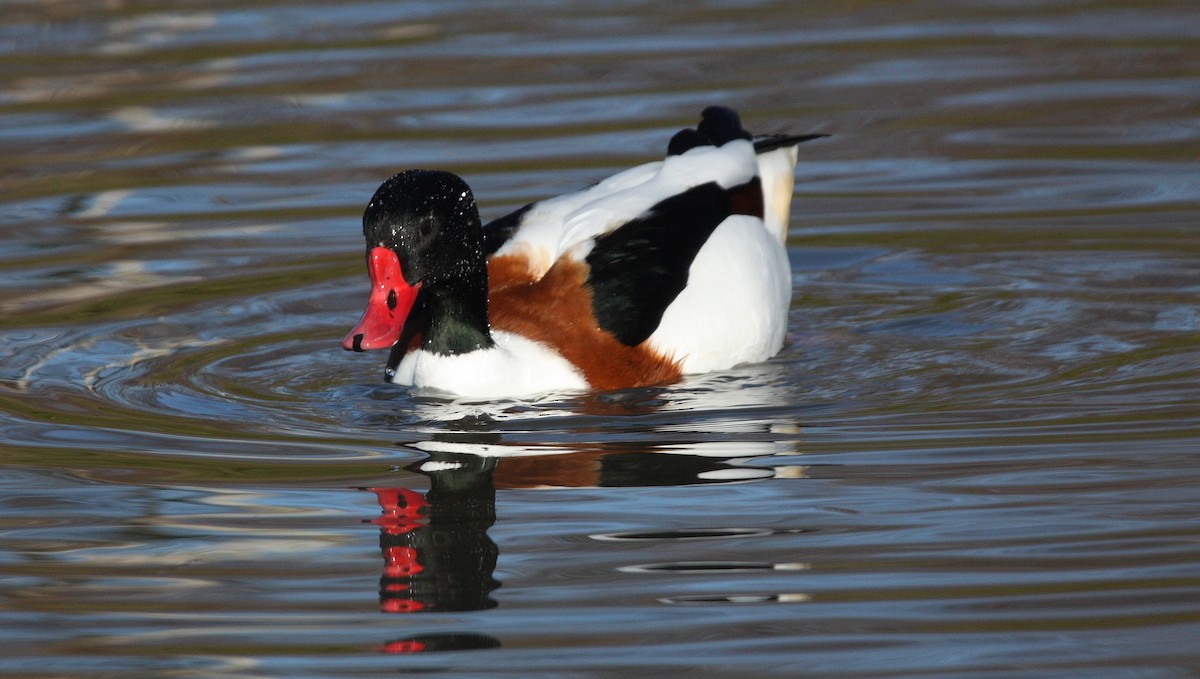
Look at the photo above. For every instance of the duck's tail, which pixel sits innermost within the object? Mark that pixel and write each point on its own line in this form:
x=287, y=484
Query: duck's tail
x=776, y=159
x=777, y=156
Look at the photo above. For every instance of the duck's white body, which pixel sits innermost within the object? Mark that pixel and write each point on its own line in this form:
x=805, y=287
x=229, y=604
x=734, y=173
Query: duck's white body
x=734, y=308
x=515, y=366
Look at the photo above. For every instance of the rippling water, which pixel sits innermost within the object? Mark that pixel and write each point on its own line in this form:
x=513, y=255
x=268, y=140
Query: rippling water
x=976, y=456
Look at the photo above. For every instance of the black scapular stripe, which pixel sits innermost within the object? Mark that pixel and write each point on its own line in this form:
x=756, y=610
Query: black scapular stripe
x=498, y=231
x=638, y=269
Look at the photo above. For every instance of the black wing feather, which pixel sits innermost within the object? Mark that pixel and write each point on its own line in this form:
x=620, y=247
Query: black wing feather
x=639, y=268
x=497, y=232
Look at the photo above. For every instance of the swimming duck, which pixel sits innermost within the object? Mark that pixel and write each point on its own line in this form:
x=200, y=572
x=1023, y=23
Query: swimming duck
x=672, y=267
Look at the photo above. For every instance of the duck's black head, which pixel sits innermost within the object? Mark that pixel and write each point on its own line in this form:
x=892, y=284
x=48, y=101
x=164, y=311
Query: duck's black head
x=429, y=219
x=426, y=260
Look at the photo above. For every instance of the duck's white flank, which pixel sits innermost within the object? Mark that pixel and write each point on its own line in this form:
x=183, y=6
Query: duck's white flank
x=515, y=366
x=735, y=306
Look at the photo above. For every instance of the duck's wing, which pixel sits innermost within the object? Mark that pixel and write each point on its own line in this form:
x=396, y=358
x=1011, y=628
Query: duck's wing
x=638, y=269
x=542, y=232
x=717, y=151
x=499, y=231
x=540, y=223
x=703, y=275
x=545, y=231
x=534, y=231
x=727, y=166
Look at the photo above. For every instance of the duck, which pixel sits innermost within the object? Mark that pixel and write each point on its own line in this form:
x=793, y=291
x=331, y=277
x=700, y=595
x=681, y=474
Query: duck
x=670, y=268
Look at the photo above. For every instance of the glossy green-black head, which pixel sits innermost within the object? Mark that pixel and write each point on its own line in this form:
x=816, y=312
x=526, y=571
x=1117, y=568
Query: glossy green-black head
x=430, y=220
x=425, y=256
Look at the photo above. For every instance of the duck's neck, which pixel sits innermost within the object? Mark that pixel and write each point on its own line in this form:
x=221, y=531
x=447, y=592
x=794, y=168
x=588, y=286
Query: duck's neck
x=458, y=318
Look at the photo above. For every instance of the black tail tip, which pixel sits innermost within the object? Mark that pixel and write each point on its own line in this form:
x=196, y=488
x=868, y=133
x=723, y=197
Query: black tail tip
x=770, y=142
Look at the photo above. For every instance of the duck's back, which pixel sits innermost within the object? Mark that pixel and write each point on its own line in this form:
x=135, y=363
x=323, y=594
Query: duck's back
x=683, y=259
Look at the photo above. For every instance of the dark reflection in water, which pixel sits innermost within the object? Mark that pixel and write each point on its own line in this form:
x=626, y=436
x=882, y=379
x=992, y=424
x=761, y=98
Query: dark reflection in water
x=438, y=556
x=436, y=551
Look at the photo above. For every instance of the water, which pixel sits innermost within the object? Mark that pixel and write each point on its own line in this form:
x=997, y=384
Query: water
x=976, y=456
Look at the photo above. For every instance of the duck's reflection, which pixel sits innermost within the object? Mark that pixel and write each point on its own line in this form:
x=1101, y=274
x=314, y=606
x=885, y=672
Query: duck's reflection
x=437, y=555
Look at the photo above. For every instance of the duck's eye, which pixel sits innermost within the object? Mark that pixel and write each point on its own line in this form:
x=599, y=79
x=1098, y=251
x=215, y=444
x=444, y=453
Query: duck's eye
x=424, y=228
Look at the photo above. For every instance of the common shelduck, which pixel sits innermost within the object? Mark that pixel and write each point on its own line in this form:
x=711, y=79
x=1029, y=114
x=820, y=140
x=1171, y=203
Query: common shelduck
x=673, y=267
